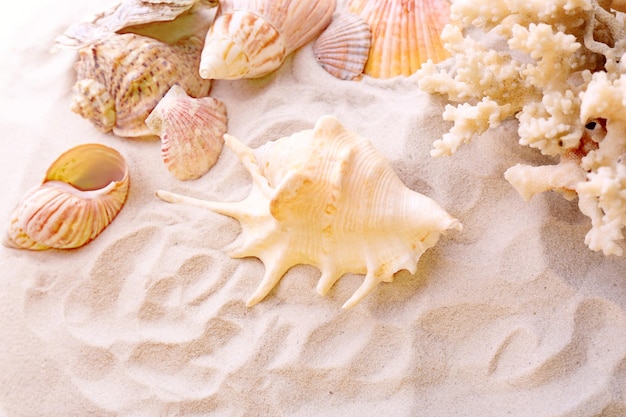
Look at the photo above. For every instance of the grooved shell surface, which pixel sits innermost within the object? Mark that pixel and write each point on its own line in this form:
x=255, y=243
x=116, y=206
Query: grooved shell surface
x=342, y=49
x=82, y=192
x=405, y=34
x=191, y=132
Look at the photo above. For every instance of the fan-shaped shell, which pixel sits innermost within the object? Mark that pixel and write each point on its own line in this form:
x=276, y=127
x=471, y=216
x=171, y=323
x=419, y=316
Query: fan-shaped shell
x=405, y=34
x=82, y=192
x=123, y=77
x=251, y=38
x=342, y=49
x=326, y=197
x=191, y=131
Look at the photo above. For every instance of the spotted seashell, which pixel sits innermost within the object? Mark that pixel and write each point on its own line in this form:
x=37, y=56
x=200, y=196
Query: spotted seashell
x=405, y=34
x=251, y=38
x=82, y=192
x=342, y=49
x=191, y=130
x=122, y=78
x=326, y=197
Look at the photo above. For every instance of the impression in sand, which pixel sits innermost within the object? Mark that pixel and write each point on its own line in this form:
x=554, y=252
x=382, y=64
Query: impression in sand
x=326, y=197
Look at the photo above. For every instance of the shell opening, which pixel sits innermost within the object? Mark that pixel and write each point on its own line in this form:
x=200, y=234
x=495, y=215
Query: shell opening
x=88, y=167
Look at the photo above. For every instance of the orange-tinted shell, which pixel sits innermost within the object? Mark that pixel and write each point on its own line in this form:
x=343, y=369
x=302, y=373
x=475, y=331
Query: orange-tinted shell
x=82, y=192
x=405, y=34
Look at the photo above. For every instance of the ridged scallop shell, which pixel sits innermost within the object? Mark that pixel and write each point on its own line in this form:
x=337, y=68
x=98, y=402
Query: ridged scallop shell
x=251, y=38
x=122, y=78
x=82, y=192
x=342, y=49
x=123, y=15
x=405, y=34
x=191, y=131
x=326, y=197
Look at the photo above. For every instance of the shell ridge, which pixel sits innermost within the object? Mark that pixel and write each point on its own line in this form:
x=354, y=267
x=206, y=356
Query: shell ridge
x=81, y=193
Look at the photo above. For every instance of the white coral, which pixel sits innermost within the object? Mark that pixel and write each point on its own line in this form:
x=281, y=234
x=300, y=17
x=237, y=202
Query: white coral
x=603, y=199
x=557, y=67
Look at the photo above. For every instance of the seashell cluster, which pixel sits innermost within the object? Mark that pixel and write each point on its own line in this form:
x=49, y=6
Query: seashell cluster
x=343, y=48
x=251, y=38
x=191, y=132
x=82, y=192
x=122, y=78
x=405, y=34
x=326, y=197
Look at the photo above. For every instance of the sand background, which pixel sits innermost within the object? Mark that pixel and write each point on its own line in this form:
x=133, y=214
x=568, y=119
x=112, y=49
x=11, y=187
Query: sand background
x=512, y=317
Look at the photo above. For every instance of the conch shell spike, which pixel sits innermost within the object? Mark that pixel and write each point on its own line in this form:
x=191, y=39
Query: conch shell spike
x=366, y=287
x=227, y=209
x=248, y=159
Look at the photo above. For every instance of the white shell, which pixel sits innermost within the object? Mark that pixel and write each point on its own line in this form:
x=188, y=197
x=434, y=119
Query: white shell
x=326, y=197
x=251, y=38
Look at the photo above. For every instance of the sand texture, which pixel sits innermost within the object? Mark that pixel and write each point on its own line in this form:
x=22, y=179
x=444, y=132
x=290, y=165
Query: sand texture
x=513, y=316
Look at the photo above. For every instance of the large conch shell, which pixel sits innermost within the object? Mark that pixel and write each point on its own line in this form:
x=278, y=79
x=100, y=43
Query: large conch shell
x=82, y=192
x=191, y=132
x=405, y=34
x=326, y=197
x=251, y=38
x=122, y=78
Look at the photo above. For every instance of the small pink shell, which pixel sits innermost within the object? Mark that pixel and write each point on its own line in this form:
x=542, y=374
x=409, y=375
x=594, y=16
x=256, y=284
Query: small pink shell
x=342, y=49
x=191, y=131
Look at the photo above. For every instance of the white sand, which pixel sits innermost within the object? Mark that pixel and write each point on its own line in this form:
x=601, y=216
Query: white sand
x=512, y=317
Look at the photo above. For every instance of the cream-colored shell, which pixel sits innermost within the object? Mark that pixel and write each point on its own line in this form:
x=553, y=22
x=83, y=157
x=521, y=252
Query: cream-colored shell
x=82, y=192
x=122, y=78
x=326, y=197
x=191, y=132
x=405, y=34
x=251, y=38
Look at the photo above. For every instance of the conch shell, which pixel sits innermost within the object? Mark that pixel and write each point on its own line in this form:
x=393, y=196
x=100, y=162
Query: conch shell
x=251, y=38
x=122, y=78
x=406, y=33
x=82, y=192
x=343, y=48
x=326, y=197
x=191, y=131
